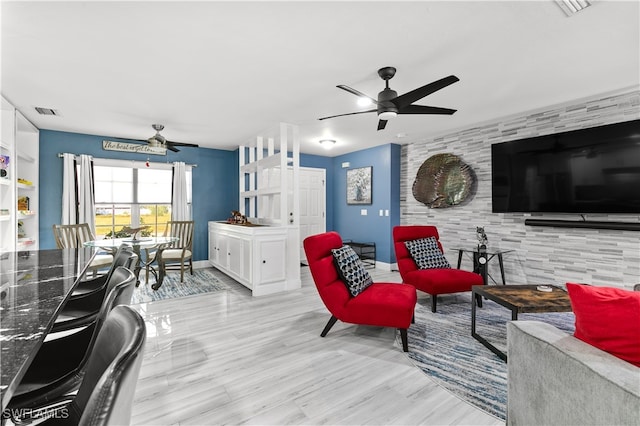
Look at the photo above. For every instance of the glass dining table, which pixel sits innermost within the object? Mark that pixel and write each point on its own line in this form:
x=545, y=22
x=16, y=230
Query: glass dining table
x=147, y=243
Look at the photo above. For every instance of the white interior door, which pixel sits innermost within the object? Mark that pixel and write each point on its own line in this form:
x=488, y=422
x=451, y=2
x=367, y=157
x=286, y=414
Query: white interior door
x=312, y=204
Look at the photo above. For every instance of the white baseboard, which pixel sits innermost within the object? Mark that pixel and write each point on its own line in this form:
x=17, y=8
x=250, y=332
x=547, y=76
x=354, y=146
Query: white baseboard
x=386, y=266
x=199, y=264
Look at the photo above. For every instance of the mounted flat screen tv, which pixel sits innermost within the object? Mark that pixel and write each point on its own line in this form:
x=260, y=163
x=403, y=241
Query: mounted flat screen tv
x=595, y=170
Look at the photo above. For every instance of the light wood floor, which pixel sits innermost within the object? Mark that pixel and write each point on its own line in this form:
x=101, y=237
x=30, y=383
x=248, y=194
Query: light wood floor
x=229, y=358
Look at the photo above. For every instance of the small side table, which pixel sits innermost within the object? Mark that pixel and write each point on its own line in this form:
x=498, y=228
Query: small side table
x=365, y=251
x=483, y=269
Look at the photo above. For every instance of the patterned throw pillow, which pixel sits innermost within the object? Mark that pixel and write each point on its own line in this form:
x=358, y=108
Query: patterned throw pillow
x=426, y=253
x=351, y=270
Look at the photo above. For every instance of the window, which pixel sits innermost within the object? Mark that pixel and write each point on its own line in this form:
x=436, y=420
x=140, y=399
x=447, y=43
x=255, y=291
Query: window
x=133, y=194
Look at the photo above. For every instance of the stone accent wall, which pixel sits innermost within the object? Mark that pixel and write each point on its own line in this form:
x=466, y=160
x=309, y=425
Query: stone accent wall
x=541, y=255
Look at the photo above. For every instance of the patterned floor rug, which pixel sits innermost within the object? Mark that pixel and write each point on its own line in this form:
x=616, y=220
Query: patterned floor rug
x=202, y=281
x=441, y=345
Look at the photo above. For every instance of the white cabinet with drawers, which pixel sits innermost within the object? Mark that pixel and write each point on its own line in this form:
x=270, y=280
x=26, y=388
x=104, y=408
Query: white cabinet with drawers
x=255, y=256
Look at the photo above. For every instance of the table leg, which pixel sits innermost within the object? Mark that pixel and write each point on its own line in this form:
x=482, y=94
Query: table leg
x=504, y=282
x=459, y=258
x=481, y=339
x=160, y=276
x=136, y=270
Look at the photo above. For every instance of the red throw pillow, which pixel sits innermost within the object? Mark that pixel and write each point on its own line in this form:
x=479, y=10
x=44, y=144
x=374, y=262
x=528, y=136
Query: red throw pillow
x=608, y=318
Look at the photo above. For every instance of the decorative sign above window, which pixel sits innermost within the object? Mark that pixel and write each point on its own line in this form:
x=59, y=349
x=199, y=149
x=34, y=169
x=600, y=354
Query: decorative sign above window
x=443, y=180
x=133, y=147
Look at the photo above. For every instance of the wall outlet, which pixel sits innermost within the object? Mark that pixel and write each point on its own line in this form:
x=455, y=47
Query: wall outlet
x=363, y=212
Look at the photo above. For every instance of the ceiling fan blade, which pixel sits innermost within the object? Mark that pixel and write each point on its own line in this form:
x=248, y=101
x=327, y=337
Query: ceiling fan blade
x=172, y=148
x=349, y=113
x=408, y=98
x=382, y=124
x=422, y=109
x=182, y=144
x=357, y=93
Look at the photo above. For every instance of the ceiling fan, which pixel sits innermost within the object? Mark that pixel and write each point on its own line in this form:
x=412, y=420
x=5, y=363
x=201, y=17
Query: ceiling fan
x=158, y=140
x=389, y=104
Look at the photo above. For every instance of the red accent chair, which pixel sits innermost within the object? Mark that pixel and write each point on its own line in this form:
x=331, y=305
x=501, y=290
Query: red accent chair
x=433, y=281
x=380, y=304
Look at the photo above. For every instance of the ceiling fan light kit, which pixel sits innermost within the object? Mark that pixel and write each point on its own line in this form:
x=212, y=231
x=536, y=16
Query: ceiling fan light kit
x=387, y=115
x=389, y=104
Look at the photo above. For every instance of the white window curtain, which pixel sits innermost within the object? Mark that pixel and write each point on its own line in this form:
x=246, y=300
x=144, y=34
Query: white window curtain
x=78, y=199
x=86, y=197
x=179, y=201
x=68, y=190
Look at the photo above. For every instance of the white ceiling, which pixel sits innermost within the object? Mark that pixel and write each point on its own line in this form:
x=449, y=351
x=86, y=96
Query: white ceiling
x=218, y=73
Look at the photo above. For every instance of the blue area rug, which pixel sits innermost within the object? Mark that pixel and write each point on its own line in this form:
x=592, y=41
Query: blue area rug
x=442, y=346
x=202, y=281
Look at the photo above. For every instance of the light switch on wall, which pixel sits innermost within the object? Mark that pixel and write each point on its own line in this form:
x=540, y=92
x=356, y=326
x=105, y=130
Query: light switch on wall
x=363, y=212
x=381, y=212
x=386, y=212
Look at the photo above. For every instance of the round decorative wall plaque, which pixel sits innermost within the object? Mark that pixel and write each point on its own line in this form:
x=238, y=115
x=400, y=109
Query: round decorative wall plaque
x=444, y=180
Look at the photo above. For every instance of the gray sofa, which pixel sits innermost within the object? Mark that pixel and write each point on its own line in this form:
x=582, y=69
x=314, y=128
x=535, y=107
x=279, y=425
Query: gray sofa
x=556, y=379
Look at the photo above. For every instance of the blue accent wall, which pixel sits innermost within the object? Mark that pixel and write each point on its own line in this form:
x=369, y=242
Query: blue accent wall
x=215, y=187
x=215, y=181
x=348, y=220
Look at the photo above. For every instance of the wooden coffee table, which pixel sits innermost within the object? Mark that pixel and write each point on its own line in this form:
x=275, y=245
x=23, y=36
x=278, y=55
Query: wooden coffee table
x=519, y=299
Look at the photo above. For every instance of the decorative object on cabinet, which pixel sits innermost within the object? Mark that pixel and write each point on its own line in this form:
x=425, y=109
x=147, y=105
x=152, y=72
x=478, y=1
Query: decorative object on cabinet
x=444, y=180
x=359, y=185
x=238, y=218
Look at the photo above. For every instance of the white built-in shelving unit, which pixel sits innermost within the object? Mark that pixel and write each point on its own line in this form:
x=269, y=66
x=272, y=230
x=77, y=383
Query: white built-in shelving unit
x=264, y=256
x=19, y=197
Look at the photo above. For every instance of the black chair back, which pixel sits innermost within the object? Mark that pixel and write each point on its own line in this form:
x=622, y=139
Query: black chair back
x=60, y=363
x=106, y=393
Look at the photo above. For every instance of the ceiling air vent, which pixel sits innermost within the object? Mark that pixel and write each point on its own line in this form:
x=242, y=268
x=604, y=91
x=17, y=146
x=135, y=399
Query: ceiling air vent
x=569, y=7
x=46, y=111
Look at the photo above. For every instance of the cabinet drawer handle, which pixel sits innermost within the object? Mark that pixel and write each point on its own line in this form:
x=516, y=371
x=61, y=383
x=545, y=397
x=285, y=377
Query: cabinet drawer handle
x=264, y=261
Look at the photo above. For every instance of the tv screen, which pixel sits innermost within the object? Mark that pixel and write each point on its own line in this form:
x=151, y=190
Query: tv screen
x=595, y=170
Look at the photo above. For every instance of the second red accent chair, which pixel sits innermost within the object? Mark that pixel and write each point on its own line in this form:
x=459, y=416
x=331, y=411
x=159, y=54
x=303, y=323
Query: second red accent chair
x=379, y=304
x=434, y=281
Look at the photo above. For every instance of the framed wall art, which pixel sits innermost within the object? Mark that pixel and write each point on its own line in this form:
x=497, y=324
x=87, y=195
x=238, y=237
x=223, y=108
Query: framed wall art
x=359, y=185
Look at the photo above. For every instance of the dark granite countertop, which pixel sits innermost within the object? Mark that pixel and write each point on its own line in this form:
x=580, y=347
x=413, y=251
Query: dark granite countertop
x=33, y=287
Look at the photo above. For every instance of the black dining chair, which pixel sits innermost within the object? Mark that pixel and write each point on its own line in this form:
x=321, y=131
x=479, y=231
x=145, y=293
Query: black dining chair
x=60, y=363
x=105, y=394
x=90, y=286
x=82, y=311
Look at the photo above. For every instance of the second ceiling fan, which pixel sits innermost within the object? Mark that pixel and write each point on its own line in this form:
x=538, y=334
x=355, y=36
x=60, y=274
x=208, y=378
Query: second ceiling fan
x=158, y=140
x=389, y=104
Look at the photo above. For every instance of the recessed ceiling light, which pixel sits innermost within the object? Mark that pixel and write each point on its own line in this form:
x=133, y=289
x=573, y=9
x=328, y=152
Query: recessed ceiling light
x=569, y=7
x=327, y=143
